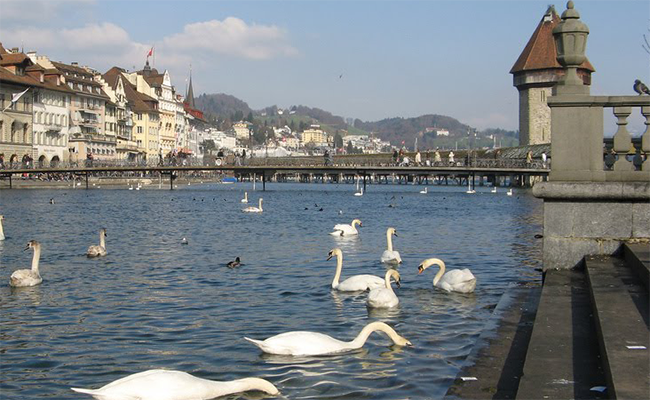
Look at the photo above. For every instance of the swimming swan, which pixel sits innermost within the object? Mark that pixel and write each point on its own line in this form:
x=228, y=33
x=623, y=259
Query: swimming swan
x=455, y=280
x=354, y=283
x=301, y=343
x=425, y=191
x=509, y=192
x=345, y=229
x=158, y=384
x=254, y=209
x=384, y=297
x=359, y=193
x=391, y=256
x=245, y=199
x=98, y=251
x=2, y=231
x=28, y=277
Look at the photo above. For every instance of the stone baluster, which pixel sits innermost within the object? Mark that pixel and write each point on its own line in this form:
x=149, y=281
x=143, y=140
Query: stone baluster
x=645, y=141
x=622, y=139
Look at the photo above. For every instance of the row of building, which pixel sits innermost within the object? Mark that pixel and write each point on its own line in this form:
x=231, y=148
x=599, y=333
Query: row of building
x=52, y=112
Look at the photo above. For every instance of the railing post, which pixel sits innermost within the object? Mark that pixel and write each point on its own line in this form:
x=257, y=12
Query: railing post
x=86, y=180
x=622, y=139
x=645, y=141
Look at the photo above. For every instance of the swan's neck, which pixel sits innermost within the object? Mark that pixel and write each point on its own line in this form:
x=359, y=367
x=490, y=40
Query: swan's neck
x=2, y=231
x=440, y=273
x=339, y=268
x=389, y=273
x=361, y=338
x=246, y=196
x=217, y=389
x=389, y=239
x=354, y=223
x=36, y=258
x=102, y=239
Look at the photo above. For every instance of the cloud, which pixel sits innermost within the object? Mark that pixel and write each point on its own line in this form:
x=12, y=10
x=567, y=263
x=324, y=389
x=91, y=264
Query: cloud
x=234, y=37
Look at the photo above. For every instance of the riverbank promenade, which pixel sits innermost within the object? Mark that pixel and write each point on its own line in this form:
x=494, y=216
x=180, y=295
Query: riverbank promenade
x=584, y=334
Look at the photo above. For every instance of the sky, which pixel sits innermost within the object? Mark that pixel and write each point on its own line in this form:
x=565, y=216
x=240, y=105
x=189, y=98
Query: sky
x=360, y=59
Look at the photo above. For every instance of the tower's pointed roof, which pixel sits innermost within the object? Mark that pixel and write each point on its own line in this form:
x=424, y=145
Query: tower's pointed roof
x=540, y=52
x=189, y=98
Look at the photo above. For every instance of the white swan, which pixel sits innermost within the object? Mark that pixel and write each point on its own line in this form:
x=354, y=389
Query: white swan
x=384, y=297
x=28, y=277
x=254, y=209
x=245, y=199
x=391, y=256
x=98, y=251
x=2, y=231
x=345, y=229
x=455, y=280
x=158, y=384
x=354, y=283
x=301, y=343
x=509, y=192
x=425, y=191
x=359, y=193
x=494, y=189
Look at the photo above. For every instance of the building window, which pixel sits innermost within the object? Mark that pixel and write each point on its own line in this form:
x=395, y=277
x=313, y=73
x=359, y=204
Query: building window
x=139, y=129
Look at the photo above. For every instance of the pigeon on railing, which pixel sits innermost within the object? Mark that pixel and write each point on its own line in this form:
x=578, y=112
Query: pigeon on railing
x=641, y=88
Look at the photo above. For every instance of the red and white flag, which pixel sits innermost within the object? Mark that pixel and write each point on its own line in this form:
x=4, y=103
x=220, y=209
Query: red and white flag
x=150, y=53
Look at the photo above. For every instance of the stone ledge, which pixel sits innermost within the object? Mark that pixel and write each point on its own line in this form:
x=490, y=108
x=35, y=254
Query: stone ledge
x=594, y=191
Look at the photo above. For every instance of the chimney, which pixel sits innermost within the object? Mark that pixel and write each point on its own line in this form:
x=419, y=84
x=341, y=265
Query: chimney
x=74, y=64
x=14, y=50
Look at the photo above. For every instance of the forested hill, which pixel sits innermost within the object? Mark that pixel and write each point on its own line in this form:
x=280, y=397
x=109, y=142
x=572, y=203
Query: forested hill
x=221, y=105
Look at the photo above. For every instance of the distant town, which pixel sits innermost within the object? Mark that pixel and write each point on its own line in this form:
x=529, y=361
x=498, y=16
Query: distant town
x=54, y=112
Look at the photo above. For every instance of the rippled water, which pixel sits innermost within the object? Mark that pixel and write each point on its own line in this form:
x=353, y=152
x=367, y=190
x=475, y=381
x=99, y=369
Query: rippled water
x=153, y=303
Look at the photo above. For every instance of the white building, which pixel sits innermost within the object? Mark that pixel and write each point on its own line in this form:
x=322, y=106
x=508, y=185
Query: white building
x=242, y=130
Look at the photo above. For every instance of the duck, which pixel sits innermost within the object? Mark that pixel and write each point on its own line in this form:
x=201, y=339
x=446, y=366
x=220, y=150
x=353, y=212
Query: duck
x=356, y=283
x=2, y=231
x=384, y=297
x=98, y=251
x=455, y=280
x=425, y=191
x=254, y=209
x=245, y=199
x=184, y=241
x=52, y=200
x=345, y=229
x=389, y=255
x=158, y=384
x=234, y=264
x=303, y=343
x=28, y=277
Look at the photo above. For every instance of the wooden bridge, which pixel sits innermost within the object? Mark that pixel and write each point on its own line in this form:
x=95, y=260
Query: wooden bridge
x=305, y=173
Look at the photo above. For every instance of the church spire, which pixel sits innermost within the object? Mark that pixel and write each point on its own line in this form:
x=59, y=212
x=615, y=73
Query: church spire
x=189, y=97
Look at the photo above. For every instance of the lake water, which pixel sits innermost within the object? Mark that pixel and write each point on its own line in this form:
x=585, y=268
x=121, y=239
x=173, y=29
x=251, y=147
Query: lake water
x=154, y=303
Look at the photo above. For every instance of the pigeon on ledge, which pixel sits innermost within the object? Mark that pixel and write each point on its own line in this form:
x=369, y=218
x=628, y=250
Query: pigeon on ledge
x=641, y=88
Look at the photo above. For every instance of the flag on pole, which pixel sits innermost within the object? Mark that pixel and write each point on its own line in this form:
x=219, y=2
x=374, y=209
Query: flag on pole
x=150, y=52
x=15, y=97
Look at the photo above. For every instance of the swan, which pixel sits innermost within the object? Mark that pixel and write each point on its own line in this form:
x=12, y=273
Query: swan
x=245, y=199
x=494, y=189
x=509, y=192
x=354, y=283
x=2, y=231
x=98, y=251
x=158, y=384
x=28, y=277
x=301, y=343
x=345, y=229
x=455, y=280
x=233, y=264
x=425, y=191
x=391, y=256
x=384, y=297
x=254, y=209
x=359, y=193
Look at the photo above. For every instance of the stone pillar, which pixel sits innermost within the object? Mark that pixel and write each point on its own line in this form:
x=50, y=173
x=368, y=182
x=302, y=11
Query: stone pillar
x=588, y=209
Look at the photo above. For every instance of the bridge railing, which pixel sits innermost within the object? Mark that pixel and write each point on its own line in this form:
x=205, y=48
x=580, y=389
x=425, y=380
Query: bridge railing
x=582, y=149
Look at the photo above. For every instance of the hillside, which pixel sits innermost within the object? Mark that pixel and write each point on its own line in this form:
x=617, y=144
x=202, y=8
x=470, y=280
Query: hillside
x=221, y=105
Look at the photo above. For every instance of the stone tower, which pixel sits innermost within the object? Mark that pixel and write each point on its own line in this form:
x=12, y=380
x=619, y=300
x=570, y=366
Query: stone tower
x=534, y=75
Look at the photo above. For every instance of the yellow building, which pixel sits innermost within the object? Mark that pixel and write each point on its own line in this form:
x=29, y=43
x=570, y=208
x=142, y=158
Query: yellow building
x=242, y=130
x=314, y=135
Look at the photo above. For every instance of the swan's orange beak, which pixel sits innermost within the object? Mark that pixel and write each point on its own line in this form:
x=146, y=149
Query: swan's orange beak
x=420, y=269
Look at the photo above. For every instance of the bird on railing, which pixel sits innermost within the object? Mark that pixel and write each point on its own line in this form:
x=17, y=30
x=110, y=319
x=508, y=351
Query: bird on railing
x=641, y=88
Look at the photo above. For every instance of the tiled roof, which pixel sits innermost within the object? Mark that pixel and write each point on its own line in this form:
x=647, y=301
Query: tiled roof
x=540, y=52
x=154, y=80
x=24, y=80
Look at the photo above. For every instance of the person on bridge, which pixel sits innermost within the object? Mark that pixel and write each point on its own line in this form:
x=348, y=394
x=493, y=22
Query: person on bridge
x=451, y=158
x=418, y=159
x=437, y=159
x=395, y=157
